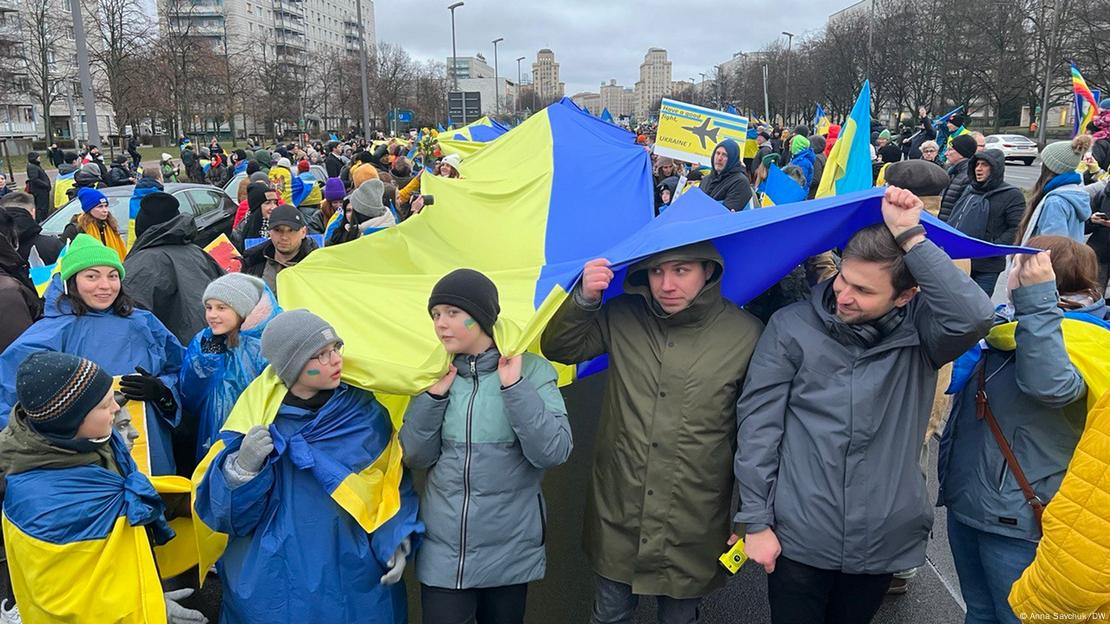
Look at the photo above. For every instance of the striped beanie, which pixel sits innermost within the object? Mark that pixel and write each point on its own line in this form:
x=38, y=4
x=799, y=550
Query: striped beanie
x=57, y=390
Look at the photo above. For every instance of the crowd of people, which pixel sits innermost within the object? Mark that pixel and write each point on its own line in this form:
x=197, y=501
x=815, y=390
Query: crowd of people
x=817, y=400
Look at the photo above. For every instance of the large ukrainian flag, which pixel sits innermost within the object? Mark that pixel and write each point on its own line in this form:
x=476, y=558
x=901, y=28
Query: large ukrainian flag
x=468, y=140
x=532, y=206
x=848, y=168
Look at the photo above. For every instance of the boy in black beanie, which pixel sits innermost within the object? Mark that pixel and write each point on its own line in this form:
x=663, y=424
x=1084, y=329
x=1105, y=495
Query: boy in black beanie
x=486, y=432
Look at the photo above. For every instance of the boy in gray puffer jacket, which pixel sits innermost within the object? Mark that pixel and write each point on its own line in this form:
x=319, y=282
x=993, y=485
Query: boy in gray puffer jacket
x=486, y=432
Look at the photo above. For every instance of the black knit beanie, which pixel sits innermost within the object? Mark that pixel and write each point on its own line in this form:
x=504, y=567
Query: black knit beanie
x=57, y=390
x=155, y=209
x=965, y=145
x=471, y=292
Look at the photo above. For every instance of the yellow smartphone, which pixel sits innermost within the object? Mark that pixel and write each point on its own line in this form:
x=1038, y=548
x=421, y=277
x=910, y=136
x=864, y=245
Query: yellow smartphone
x=734, y=558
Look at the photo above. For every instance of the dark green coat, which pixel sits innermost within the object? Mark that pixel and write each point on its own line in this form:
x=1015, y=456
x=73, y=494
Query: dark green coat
x=658, y=510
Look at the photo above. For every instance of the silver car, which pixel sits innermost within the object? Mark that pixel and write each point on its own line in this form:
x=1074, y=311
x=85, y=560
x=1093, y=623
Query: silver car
x=1014, y=146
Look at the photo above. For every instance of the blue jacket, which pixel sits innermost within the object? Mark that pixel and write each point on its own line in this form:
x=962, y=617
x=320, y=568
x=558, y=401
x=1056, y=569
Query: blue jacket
x=294, y=555
x=805, y=160
x=210, y=383
x=118, y=344
x=144, y=187
x=486, y=449
x=1037, y=396
x=1064, y=212
x=240, y=167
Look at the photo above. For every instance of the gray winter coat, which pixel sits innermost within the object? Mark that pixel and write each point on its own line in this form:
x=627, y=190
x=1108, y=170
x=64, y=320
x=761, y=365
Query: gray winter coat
x=830, y=431
x=1037, y=396
x=486, y=449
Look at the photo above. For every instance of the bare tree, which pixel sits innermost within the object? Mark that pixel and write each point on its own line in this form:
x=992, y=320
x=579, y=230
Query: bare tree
x=46, y=24
x=117, y=31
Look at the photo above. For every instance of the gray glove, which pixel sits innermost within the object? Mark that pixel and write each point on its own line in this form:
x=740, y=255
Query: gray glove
x=177, y=614
x=396, y=563
x=256, y=447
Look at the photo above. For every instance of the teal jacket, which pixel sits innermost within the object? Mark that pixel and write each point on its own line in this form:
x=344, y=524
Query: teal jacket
x=486, y=449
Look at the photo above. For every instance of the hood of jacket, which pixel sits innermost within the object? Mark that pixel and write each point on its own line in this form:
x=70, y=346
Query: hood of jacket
x=148, y=183
x=636, y=282
x=264, y=158
x=84, y=178
x=10, y=261
x=26, y=228
x=23, y=449
x=997, y=161
x=670, y=183
x=1076, y=198
x=180, y=230
x=734, y=163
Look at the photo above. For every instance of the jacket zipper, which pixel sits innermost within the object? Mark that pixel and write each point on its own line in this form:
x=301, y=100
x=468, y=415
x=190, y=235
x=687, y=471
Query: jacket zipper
x=466, y=473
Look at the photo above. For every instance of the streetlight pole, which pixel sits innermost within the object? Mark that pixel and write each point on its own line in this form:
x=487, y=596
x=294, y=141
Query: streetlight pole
x=496, y=89
x=766, y=101
x=720, y=104
x=789, y=48
x=517, y=107
x=92, y=133
x=362, y=72
x=454, y=54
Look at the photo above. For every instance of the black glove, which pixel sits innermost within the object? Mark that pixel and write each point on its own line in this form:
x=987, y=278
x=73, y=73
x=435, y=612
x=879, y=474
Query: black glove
x=148, y=388
x=214, y=344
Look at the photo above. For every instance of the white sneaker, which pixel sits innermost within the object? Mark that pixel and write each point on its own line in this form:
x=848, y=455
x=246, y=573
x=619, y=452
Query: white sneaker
x=9, y=616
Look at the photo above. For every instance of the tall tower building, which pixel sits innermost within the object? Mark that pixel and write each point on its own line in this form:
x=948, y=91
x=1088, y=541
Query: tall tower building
x=654, y=83
x=545, y=76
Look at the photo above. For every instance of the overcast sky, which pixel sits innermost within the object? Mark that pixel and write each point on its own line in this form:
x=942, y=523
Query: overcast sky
x=595, y=40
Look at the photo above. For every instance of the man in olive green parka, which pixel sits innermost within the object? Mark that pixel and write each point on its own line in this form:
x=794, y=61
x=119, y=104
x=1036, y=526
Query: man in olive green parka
x=658, y=512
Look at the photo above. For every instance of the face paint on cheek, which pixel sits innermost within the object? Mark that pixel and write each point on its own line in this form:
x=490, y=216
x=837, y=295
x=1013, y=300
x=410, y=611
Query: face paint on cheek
x=469, y=323
x=312, y=372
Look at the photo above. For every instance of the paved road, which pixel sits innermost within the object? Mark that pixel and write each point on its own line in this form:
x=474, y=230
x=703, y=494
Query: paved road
x=1022, y=176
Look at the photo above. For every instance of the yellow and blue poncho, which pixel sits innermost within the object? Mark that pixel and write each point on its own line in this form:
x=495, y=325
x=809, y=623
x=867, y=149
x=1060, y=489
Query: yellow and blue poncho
x=308, y=539
x=78, y=546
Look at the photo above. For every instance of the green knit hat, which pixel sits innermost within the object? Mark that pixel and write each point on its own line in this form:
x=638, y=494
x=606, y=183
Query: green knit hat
x=798, y=143
x=885, y=134
x=86, y=252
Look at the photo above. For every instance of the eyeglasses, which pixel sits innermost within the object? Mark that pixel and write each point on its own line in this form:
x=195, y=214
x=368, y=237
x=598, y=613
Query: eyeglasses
x=929, y=151
x=334, y=354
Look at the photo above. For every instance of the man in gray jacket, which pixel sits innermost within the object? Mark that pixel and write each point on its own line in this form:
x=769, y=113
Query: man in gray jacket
x=832, y=416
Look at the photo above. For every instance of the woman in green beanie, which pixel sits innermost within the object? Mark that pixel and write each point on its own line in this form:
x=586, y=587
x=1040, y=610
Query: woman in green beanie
x=88, y=314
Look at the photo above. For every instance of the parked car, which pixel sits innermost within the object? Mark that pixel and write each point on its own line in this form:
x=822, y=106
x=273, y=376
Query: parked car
x=1014, y=146
x=232, y=186
x=212, y=209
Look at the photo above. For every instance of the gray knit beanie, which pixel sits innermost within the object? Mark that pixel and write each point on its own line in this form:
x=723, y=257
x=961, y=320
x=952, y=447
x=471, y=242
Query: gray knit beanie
x=238, y=290
x=291, y=339
x=1064, y=156
x=367, y=198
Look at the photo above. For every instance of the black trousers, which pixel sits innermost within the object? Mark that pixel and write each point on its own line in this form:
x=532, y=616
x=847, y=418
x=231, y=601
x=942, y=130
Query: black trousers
x=488, y=605
x=801, y=594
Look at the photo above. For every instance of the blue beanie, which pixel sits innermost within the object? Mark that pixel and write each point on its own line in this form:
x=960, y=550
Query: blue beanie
x=1104, y=104
x=90, y=198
